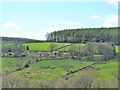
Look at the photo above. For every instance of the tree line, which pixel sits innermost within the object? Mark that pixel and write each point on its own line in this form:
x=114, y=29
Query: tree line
x=85, y=35
x=18, y=40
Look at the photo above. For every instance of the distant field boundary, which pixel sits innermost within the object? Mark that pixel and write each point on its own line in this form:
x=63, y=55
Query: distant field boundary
x=64, y=46
x=75, y=71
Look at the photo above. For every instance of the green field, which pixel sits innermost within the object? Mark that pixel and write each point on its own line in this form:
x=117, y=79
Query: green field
x=43, y=46
x=117, y=48
x=10, y=64
x=48, y=70
x=5, y=44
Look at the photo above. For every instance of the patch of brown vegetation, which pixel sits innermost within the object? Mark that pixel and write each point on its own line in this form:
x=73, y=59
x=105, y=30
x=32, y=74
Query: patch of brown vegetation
x=47, y=67
x=28, y=75
x=52, y=67
x=91, y=69
x=35, y=72
x=102, y=62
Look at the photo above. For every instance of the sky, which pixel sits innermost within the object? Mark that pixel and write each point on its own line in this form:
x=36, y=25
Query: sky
x=35, y=19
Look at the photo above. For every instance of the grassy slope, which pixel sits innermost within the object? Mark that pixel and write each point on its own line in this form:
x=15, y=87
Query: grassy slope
x=10, y=64
x=43, y=46
x=5, y=44
x=106, y=70
x=45, y=74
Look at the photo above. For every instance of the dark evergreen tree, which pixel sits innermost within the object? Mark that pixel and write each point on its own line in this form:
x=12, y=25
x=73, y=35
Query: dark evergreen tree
x=27, y=48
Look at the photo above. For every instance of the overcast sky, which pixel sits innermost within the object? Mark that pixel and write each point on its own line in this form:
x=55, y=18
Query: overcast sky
x=34, y=19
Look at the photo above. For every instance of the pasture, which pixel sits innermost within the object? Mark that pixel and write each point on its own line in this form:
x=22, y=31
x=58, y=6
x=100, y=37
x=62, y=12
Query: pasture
x=5, y=44
x=48, y=70
x=43, y=46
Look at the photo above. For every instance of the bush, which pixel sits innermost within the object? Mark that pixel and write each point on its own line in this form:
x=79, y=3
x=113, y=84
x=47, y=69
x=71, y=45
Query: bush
x=26, y=64
x=22, y=64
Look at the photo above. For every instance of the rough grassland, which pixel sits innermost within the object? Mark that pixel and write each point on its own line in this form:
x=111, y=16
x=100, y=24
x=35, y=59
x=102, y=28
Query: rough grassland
x=50, y=69
x=10, y=64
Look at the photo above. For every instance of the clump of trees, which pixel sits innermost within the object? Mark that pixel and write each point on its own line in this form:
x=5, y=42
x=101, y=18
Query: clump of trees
x=16, y=49
x=93, y=51
x=107, y=50
x=90, y=50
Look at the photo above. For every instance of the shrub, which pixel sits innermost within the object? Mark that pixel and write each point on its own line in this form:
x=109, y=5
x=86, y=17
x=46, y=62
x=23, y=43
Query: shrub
x=26, y=64
x=22, y=64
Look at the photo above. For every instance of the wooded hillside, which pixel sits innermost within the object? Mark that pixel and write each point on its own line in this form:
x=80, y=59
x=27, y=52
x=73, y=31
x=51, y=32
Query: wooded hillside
x=84, y=35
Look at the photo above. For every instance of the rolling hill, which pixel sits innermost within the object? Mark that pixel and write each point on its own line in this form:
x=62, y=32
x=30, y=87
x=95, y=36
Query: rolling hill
x=16, y=39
